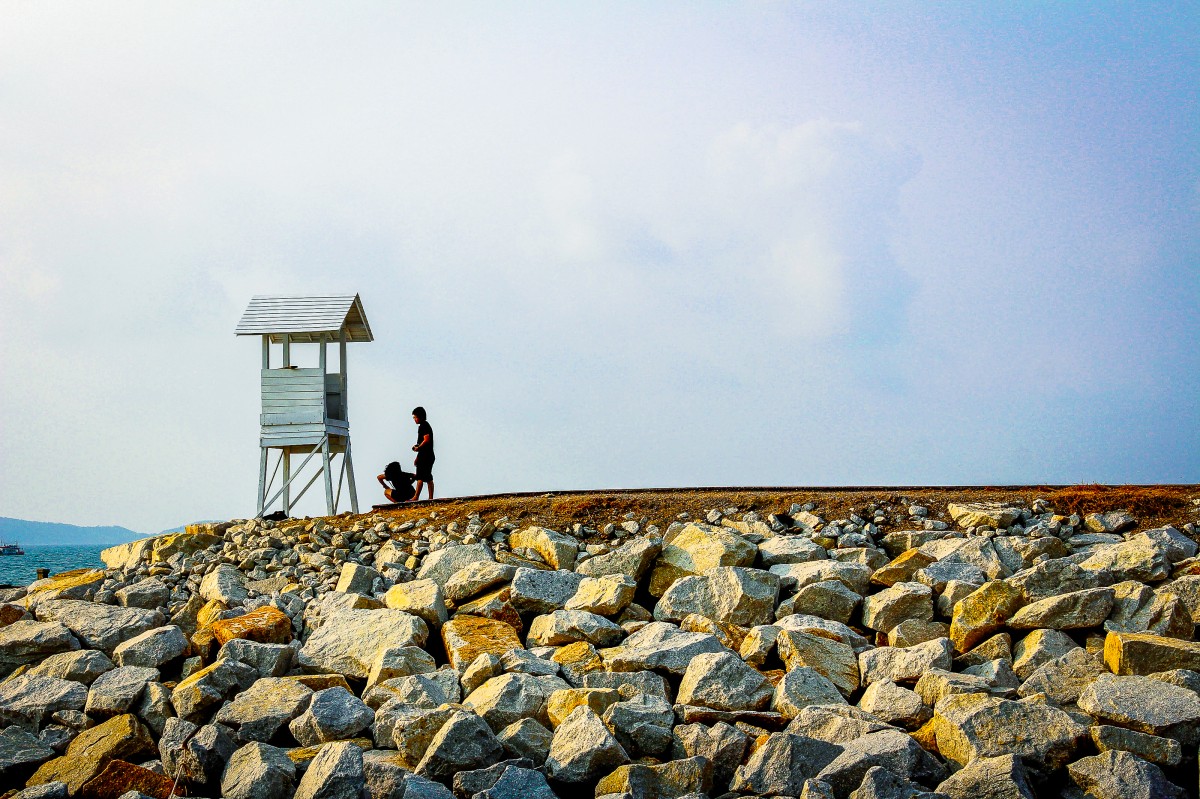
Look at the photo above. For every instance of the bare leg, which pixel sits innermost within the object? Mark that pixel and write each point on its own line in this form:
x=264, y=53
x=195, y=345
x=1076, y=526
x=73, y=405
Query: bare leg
x=430, y=489
x=417, y=494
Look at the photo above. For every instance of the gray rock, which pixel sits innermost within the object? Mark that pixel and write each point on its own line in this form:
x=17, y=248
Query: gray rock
x=781, y=765
x=1038, y=648
x=29, y=701
x=854, y=576
x=175, y=735
x=355, y=578
x=265, y=709
x=1003, y=777
x=149, y=594
x=510, y=697
x=1144, y=704
x=889, y=607
x=49, y=790
x=829, y=599
x=475, y=578
x=801, y=687
x=642, y=725
x=418, y=787
x=258, y=771
x=1121, y=775
x=153, y=648
x=789, y=549
x=350, y=641
x=568, y=626
x=422, y=690
x=154, y=708
x=27, y=641
x=469, y=783
x=463, y=743
x=892, y=750
x=632, y=559
x=1064, y=678
x=895, y=705
x=1053, y=577
x=333, y=714
x=1154, y=748
x=83, y=666
x=20, y=753
x=940, y=573
x=936, y=684
x=583, y=749
x=555, y=549
x=660, y=645
x=194, y=695
x=1140, y=558
x=99, y=626
x=1070, y=611
x=224, y=584
x=400, y=662
x=905, y=663
x=646, y=682
x=728, y=594
x=528, y=739
x=540, y=591
x=269, y=660
x=971, y=726
x=440, y=566
x=518, y=783
x=722, y=744
x=606, y=596
x=203, y=759
x=879, y=783
x=335, y=773
x=723, y=681
x=837, y=724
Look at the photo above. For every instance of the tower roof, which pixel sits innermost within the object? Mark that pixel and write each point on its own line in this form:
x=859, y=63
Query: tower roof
x=304, y=319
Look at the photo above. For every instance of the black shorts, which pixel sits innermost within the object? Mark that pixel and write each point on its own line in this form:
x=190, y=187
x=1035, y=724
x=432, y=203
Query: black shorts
x=425, y=470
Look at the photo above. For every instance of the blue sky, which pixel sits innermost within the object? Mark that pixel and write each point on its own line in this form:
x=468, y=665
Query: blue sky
x=604, y=245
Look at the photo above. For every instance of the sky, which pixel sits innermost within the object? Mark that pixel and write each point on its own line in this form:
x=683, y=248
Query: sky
x=604, y=244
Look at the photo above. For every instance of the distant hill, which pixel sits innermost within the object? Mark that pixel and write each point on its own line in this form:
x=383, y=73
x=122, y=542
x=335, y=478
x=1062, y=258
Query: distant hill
x=32, y=534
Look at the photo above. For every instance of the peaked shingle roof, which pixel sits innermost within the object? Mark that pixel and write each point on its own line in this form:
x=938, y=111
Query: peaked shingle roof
x=304, y=319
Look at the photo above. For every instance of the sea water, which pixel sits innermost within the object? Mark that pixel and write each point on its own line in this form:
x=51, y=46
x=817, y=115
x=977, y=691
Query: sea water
x=22, y=569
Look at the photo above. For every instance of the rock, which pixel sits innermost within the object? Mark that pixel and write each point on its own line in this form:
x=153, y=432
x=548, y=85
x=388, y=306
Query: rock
x=642, y=724
x=518, y=783
x=789, y=549
x=904, y=663
x=915, y=631
x=1054, y=577
x=497, y=606
x=971, y=726
x=97, y=626
x=1155, y=611
x=979, y=552
x=209, y=686
x=832, y=659
x=118, y=690
x=258, y=771
x=119, y=738
x=631, y=559
x=697, y=548
x=476, y=578
x=1144, y=704
x=468, y=637
x=506, y=699
x=731, y=636
x=606, y=596
x=154, y=708
x=854, y=576
x=29, y=701
x=269, y=660
x=1141, y=653
x=583, y=750
x=422, y=690
x=560, y=703
x=174, y=736
x=782, y=764
x=731, y=595
x=539, y=591
x=1002, y=777
x=20, y=753
x=441, y=565
x=401, y=661
x=464, y=742
x=348, y=642
x=333, y=714
x=82, y=666
x=526, y=738
x=1139, y=558
x=723, y=681
x=665, y=781
x=1121, y=775
x=265, y=709
x=659, y=645
x=723, y=745
x=409, y=729
x=204, y=756
x=73, y=584
x=1154, y=748
x=356, y=578
x=149, y=594
x=266, y=625
x=335, y=773
x=224, y=584
x=421, y=598
x=801, y=687
x=127, y=556
x=554, y=548
x=838, y=724
x=568, y=626
x=120, y=779
x=895, y=705
x=889, y=607
x=982, y=514
x=1038, y=648
x=1064, y=678
x=829, y=599
x=895, y=751
x=152, y=649
x=825, y=628
x=936, y=684
x=1070, y=611
x=28, y=641
x=983, y=613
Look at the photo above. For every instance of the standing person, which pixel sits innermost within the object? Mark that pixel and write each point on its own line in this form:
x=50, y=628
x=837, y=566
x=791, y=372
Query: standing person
x=424, y=450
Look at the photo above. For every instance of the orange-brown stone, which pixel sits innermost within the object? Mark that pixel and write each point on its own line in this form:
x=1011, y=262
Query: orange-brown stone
x=497, y=606
x=468, y=637
x=266, y=625
x=9, y=613
x=118, y=778
x=120, y=737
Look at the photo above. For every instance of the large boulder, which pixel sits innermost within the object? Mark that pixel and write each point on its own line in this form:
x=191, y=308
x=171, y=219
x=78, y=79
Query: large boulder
x=1141, y=653
x=348, y=642
x=971, y=726
x=265, y=709
x=631, y=559
x=660, y=646
x=99, y=626
x=782, y=764
x=335, y=773
x=732, y=595
x=27, y=641
x=1121, y=775
x=439, y=566
x=1069, y=611
x=468, y=637
x=333, y=714
x=258, y=771
x=583, y=749
x=120, y=738
x=1144, y=704
x=29, y=701
x=723, y=681
x=983, y=613
x=833, y=659
x=697, y=548
x=555, y=549
x=153, y=648
x=463, y=743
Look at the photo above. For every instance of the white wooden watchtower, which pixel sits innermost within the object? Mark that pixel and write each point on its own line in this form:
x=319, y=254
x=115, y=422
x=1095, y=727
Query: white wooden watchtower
x=304, y=411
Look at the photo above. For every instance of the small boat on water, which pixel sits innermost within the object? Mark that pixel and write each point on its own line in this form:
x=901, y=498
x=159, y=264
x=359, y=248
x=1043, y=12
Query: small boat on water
x=10, y=549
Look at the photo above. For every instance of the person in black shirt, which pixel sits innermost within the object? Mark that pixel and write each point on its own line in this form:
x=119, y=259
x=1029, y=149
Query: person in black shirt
x=401, y=488
x=424, y=450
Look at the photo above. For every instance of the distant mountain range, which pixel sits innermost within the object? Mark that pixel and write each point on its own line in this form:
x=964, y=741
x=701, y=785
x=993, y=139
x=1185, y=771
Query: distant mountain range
x=33, y=534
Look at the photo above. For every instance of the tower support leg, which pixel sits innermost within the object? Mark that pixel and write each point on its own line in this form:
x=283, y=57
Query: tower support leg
x=287, y=483
x=326, y=467
x=350, y=478
x=262, y=480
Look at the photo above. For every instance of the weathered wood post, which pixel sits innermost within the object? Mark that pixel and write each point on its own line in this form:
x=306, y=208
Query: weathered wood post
x=304, y=410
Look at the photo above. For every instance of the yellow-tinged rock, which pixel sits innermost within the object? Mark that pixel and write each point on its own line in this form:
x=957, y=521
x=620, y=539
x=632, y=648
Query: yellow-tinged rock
x=303, y=755
x=118, y=778
x=731, y=635
x=319, y=682
x=697, y=548
x=210, y=613
x=126, y=556
x=1142, y=653
x=902, y=567
x=120, y=738
x=74, y=584
x=165, y=546
x=682, y=777
x=267, y=625
x=829, y=657
x=468, y=637
x=562, y=702
x=983, y=612
x=578, y=659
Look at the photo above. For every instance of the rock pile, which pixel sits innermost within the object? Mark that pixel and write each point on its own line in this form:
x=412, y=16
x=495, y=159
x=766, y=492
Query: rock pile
x=1000, y=650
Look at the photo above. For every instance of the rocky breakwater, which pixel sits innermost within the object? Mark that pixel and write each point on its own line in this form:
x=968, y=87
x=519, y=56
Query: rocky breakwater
x=972, y=651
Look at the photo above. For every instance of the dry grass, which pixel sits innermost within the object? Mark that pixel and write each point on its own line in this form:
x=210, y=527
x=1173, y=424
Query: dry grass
x=1141, y=501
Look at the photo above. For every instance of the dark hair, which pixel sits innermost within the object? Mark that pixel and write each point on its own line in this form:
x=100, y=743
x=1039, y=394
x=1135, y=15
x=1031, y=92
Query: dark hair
x=419, y=412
